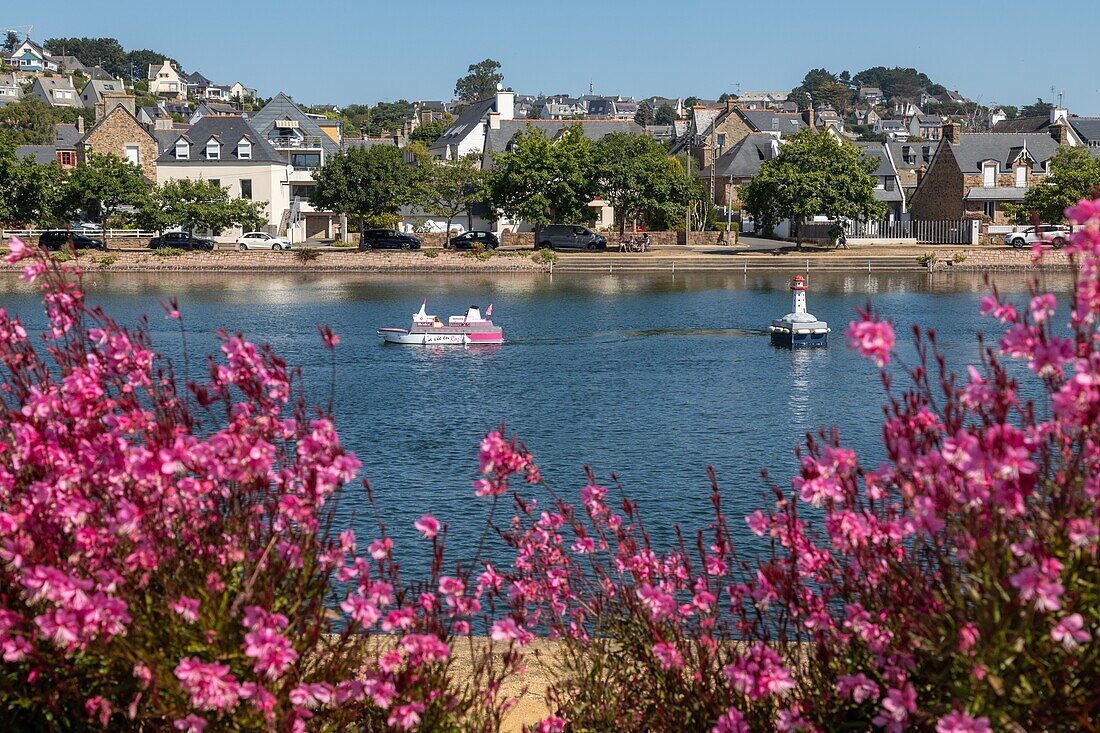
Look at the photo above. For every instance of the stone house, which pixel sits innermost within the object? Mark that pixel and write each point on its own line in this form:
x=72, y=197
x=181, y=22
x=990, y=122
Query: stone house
x=911, y=160
x=119, y=133
x=738, y=165
x=926, y=127
x=976, y=174
x=712, y=131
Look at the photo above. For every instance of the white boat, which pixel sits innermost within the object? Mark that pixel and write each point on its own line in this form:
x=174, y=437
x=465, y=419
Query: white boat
x=470, y=329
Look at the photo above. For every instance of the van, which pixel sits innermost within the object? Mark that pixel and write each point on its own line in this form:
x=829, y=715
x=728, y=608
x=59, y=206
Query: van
x=569, y=236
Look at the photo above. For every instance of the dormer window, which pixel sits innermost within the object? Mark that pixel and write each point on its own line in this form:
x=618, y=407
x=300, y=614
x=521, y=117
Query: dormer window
x=183, y=150
x=244, y=150
x=213, y=150
x=1021, y=176
x=989, y=175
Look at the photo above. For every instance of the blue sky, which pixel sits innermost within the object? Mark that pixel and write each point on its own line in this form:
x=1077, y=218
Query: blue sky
x=368, y=51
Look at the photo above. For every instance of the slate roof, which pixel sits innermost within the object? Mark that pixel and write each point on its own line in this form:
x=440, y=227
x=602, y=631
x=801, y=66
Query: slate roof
x=878, y=152
x=102, y=87
x=196, y=78
x=978, y=193
x=99, y=73
x=975, y=147
x=67, y=136
x=929, y=121
x=282, y=107
x=50, y=83
x=1023, y=124
x=69, y=63
x=167, y=138
x=229, y=131
x=744, y=159
x=891, y=125
x=42, y=154
x=470, y=118
x=766, y=120
x=497, y=141
x=916, y=149
x=1087, y=128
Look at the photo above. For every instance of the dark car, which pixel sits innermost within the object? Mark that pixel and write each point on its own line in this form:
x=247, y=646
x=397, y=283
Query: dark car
x=56, y=239
x=569, y=236
x=467, y=241
x=181, y=240
x=388, y=239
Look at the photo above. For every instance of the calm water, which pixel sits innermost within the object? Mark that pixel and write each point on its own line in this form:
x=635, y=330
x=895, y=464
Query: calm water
x=649, y=378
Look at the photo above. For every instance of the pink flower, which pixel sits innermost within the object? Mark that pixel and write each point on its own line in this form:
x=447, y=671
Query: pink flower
x=731, y=722
x=379, y=549
x=186, y=607
x=190, y=724
x=17, y=250
x=896, y=708
x=328, y=338
x=857, y=686
x=667, y=655
x=406, y=717
x=143, y=675
x=873, y=339
x=210, y=685
x=507, y=629
x=968, y=637
x=347, y=540
x=759, y=673
x=428, y=526
x=553, y=724
x=960, y=722
x=1070, y=631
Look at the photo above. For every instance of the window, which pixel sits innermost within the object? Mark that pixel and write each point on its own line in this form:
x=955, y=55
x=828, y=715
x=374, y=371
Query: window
x=305, y=161
x=244, y=150
x=213, y=150
x=889, y=180
x=66, y=157
x=1021, y=176
x=246, y=188
x=989, y=175
x=721, y=141
x=991, y=209
x=183, y=150
x=133, y=154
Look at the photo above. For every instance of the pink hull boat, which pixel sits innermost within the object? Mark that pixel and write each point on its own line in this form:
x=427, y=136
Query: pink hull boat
x=428, y=330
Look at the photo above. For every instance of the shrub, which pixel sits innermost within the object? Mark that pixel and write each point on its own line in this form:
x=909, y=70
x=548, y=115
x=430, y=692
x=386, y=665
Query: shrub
x=105, y=261
x=928, y=259
x=477, y=248
x=431, y=252
x=343, y=243
x=545, y=256
x=306, y=254
x=170, y=558
x=959, y=258
x=167, y=252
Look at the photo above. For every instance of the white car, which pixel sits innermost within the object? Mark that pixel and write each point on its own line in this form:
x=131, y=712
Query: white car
x=1052, y=234
x=261, y=240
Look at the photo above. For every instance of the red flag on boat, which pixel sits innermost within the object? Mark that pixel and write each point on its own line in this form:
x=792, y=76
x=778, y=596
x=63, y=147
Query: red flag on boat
x=489, y=310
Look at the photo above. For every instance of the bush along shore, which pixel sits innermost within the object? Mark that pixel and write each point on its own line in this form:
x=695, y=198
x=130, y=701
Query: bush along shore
x=172, y=559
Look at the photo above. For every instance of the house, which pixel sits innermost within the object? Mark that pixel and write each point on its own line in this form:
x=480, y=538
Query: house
x=738, y=165
x=98, y=73
x=56, y=91
x=10, y=91
x=229, y=151
x=119, y=133
x=976, y=174
x=868, y=117
x=114, y=99
x=712, y=131
x=996, y=115
x=871, y=95
x=905, y=110
x=70, y=65
x=165, y=81
x=63, y=148
x=1058, y=116
x=911, y=160
x=562, y=108
x=467, y=133
x=888, y=188
x=241, y=93
x=676, y=105
x=95, y=90
x=30, y=57
x=924, y=99
x=761, y=99
x=205, y=109
x=926, y=127
x=611, y=108
x=196, y=84
x=952, y=98
x=826, y=116
x=1087, y=130
x=218, y=92
x=303, y=144
x=892, y=129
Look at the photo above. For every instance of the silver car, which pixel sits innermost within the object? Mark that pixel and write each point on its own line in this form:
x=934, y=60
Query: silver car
x=1053, y=234
x=569, y=236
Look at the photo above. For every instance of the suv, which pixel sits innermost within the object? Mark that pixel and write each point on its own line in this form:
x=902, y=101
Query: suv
x=55, y=239
x=181, y=240
x=1055, y=234
x=569, y=236
x=387, y=239
x=467, y=241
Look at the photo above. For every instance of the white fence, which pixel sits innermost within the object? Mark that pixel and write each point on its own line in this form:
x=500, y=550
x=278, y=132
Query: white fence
x=110, y=233
x=952, y=231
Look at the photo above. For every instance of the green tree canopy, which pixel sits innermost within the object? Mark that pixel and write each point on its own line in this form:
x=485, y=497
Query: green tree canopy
x=1074, y=174
x=665, y=115
x=11, y=40
x=1039, y=109
x=481, y=81
x=29, y=122
x=29, y=192
x=367, y=183
x=107, y=52
x=428, y=132
x=102, y=185
x=635, y=175
x=813, y=175
x=448, y=188
x=138, y=62
x=645, y=115
x=822, y=87
x=542, y=181
x=198, y=205
x=897, y=82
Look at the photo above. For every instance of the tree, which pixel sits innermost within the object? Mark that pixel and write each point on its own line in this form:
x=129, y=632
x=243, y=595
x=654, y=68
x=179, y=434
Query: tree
x=198, y=205
x=481, y=81
x=635, y=175
x=102, y=185
x=11, y=41
x=1039, y=109
x=137, y=63
x=666, y=115
x=447, y=188
x=645, y=115
x=813, y=175
x=822, y=87
x=901, y=82
x=367, y=183
x=28, y=123
x=29, y=192
x=107, y=52
x=1074, y=175
x=543, y=181
x=388, y=117
x=690, y=102
x=430, y=131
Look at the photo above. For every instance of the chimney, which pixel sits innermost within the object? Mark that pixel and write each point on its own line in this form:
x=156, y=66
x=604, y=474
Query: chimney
x=952, y=132
x=494, y=120
x=920, y=173
x=505, y=103
x=1060, y=132
x=79, y=125
x=808, y=116
x=1058, y=114
x=730, y=104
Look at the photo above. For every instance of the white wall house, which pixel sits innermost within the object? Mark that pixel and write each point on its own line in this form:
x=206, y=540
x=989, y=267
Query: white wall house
x=56, y=91
x=467, y=134
x=165, y=81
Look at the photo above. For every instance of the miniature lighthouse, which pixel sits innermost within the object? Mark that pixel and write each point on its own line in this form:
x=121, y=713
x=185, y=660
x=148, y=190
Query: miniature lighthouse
x=799, y=329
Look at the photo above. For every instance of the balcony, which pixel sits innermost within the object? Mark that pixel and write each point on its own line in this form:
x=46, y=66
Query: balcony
x=292, y=142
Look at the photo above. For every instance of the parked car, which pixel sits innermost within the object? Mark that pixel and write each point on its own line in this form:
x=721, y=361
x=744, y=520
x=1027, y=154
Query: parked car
x=469, y=239
x=55, y=239
x=181, y=240
x=388, y=239
x=569, y=236
x=1055, y=234
x=262, y=240
x=86, y=227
